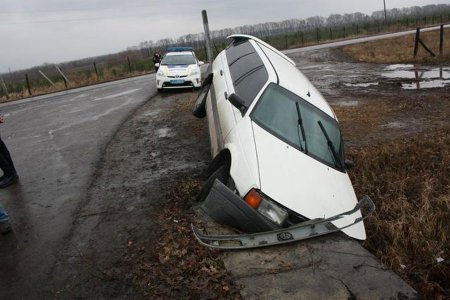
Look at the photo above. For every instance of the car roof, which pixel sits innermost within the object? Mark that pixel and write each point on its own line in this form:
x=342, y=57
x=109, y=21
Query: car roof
x=288, y=76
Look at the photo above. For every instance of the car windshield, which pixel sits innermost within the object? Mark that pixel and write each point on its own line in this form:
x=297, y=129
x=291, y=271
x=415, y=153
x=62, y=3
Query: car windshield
x=181, y=59
x=300, y=124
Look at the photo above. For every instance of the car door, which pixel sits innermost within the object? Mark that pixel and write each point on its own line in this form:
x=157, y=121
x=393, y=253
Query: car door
x=224, y=107
x=220, y=116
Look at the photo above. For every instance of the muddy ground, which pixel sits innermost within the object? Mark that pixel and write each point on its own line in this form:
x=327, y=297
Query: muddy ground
x=132, y=238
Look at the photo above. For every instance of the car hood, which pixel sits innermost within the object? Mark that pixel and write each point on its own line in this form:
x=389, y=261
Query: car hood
x=303, y=184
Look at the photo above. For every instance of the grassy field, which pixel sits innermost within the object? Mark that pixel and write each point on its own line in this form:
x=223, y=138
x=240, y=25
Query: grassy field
x=405, y=170
x=401, y=50
x=410, y=232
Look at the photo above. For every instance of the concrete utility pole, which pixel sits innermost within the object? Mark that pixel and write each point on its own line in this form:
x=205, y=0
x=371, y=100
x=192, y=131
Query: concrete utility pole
x=207, y=36
x=385, y=15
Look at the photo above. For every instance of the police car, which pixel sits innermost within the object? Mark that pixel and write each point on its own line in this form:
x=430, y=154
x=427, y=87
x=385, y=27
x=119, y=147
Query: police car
x=179, y=68
x=278, y=172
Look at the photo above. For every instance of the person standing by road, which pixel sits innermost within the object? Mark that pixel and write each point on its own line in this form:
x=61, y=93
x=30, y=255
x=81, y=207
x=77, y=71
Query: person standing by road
x=156, y=59
x=6, y=164
x=5, y=226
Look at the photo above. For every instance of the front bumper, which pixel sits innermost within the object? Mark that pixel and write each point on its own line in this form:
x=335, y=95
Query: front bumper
x=227, y=208
x=192, y=81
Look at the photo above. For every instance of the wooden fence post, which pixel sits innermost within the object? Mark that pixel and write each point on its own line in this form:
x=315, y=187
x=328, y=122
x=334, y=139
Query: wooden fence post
x=419, y=41
x=416, y=41
x=28, y=84
x=4, y=88
x=66, y=80
x=441, y=40
x=95, y=68
x=129, y=64
x=48, y=79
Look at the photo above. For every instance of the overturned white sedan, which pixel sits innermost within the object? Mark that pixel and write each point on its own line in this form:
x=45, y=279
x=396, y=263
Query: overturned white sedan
x=278, y=172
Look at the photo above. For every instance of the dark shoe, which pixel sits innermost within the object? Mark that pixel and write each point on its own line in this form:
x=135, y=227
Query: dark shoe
x=5, y=227
x=7, y=181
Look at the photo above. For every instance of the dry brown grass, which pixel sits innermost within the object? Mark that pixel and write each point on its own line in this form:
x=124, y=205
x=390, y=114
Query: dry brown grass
x=76, y=80
x=182, y=268
x=407, y=173
x=409, y=180
x=401, y=49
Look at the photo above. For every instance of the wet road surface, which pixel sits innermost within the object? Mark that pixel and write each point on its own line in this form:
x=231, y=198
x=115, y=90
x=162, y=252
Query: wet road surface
x=55, y=142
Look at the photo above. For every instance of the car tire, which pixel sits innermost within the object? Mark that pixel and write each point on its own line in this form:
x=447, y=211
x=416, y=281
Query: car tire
x=222, y=174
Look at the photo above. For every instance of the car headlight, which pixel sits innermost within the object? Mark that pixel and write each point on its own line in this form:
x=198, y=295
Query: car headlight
x=195, y=72
x=160, y=73
x=266, y=206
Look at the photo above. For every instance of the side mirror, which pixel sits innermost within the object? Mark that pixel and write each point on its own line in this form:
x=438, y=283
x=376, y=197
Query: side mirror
x=157, y=65
x=238, y=102
x=349, y=163
x=201, y=63
x=199, y=109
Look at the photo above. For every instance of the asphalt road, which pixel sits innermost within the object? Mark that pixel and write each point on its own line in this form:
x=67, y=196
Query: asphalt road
x=56, y=142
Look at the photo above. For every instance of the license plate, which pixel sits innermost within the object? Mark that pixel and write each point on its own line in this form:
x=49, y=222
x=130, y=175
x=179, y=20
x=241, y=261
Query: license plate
x=177, y=81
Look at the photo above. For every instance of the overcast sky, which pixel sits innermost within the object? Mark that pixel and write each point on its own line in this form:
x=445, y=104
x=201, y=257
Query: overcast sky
x=33, y=32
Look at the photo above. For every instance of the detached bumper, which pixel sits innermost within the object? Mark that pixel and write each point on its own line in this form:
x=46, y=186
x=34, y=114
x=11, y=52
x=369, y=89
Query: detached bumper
x=227, y=208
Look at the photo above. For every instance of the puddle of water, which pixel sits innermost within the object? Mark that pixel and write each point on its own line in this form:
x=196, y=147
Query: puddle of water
x=164, y=132
x=361, y=84
x=438, y=83
x=394, y=125
x=152, y=113
x=410, y=72
x=347, y=103
x=399, y=66
x=426, y=77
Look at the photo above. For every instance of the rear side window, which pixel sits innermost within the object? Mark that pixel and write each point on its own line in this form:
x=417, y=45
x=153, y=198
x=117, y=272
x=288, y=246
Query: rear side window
x=246, y=69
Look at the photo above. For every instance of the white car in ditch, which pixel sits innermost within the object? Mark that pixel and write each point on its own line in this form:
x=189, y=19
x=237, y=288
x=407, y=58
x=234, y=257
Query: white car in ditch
x=179, y=68
x=278, y=171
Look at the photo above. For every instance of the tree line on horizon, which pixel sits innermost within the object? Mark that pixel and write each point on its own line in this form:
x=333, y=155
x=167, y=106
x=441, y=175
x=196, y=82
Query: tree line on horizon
x=268, y=29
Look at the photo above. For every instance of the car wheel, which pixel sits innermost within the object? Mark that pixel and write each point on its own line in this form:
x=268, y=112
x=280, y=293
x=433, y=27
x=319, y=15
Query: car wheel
x=222, y=174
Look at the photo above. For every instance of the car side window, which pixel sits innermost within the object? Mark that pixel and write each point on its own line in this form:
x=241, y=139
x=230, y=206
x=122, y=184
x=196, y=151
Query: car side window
x=247, y=70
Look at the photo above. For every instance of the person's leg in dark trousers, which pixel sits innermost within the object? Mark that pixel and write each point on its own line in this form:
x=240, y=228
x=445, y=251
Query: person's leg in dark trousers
x=6, y=164
x=5, y=225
